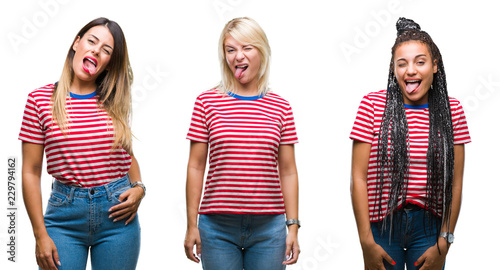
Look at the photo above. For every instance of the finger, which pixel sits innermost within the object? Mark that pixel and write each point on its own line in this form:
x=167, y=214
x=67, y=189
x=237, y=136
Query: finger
x=288, y=253
x=130, y=218
x=124, y=195
x=295, y=255
x=120, y=206
x=122, y=215
x=56, y=256
x=420, y=260
x=188, y=249
x=198, y=249
x=388, y=258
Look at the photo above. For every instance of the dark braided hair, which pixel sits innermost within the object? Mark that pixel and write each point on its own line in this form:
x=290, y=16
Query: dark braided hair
x=393, y=162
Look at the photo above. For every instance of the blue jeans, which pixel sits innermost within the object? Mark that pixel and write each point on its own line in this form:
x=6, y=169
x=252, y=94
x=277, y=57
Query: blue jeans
x=77, y=219
x=234, y=241
x=408, y=245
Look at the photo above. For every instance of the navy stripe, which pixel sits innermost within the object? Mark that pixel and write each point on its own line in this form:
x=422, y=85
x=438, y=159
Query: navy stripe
x=244, y=98
x=91, y=95
x=423, y=106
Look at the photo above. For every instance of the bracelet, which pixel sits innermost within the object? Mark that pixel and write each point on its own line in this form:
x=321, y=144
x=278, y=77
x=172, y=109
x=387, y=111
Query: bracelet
x=293, y=221
x=140, y=184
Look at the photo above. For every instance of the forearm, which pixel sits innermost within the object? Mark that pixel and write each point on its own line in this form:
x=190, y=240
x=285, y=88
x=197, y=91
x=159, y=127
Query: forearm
x=33, y=202
x=134, y=172
x=194, y=187
x=456, y=201
x=359, y=190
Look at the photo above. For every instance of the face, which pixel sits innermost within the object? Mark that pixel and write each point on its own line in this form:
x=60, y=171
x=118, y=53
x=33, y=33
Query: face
x=414, y=71
x=92, y=53
x=243, y=60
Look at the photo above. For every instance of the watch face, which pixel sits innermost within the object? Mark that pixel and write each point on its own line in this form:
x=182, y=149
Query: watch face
x=451, y=238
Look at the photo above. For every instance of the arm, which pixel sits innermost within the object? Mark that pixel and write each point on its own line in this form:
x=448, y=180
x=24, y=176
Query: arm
x=131, y=199
x=290, y=188
x=46, y=251
x=194, y=187
x=431, y=259
x=373, y=254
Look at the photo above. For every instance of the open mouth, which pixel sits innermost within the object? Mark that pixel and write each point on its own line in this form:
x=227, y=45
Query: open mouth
x=412, y=86
x=90, y=65
x=240, y=69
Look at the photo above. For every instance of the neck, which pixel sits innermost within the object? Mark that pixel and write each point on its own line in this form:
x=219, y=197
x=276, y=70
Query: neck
x=80, y=87
x=247, y=90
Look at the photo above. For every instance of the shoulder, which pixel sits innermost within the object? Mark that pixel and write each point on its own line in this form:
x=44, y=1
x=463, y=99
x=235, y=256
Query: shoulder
x=277, y=99
x=377, y=96
x=42, y=93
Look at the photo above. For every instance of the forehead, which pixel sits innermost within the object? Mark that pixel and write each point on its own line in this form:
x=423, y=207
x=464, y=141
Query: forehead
x=102, y=33
x=231, y=41
x=410, y=49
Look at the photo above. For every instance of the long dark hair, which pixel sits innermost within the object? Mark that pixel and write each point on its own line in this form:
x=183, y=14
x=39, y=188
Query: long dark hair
x=393, y=162
x=113, y=85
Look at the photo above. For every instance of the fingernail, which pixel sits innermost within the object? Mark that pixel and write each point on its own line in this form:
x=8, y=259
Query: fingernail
x=393, y=262
x=199, y=255
x=59, y=263
x=114, y=220
x=287, y=257
x=110, y=216
x=416, y=264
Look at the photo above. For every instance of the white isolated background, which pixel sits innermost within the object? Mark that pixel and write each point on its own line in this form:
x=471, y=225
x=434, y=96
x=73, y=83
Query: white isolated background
x=325, y=56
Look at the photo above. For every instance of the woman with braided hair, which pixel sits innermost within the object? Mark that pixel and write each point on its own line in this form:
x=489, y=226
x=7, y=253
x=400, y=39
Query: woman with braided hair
x=408, y=160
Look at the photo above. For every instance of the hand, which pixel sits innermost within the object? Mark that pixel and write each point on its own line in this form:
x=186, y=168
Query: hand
x=374, y=256
x=431, y=259
x=292, y=246
x=192, y=239
x=46, y=253
x=131, y=199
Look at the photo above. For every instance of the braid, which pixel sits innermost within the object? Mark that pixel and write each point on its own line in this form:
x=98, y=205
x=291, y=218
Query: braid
x=393, y=161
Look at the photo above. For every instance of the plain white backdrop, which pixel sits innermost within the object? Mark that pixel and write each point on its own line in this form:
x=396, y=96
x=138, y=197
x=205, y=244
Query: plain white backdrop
x=325, y=56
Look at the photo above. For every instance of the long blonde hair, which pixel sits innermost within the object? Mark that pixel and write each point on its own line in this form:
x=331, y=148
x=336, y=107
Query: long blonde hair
x=245, y=30
x=113, y=86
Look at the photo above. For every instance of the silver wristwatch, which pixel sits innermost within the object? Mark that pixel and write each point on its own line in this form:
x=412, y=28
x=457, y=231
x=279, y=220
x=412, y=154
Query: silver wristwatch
x=448, y=236
x=293, y=221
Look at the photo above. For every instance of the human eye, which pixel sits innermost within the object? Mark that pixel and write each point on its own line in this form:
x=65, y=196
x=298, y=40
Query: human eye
x=91, y=41
x=248, y=48
x=107, y=51
x=229, y=50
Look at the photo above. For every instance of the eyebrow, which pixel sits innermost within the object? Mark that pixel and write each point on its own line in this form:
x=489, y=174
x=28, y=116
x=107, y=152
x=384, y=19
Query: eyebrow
x=420, y=55
x=99, y=39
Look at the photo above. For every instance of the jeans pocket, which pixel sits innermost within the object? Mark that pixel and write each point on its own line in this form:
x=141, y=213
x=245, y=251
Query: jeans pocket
x=57, y=199
x=115, y=194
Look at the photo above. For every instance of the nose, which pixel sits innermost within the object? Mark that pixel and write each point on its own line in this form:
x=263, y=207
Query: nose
x=240, y=55
x=411, y=70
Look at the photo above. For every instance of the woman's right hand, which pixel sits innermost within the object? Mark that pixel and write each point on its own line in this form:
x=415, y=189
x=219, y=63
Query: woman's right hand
x=46, y=253
x=192, y=239
x=374, y=256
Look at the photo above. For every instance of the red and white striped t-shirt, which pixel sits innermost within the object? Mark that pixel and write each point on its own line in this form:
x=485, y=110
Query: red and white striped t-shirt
x=84, y=157
x=366, y=129
x=244, y=134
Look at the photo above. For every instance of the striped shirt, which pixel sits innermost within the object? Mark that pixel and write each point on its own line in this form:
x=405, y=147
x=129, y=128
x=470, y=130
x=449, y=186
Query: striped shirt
x=244, y=134
x=366, y=129
x=84, y=157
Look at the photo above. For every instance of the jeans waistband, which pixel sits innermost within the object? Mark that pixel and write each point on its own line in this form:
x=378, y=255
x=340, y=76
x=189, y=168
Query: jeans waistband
x=412, y=207
x=91, y=192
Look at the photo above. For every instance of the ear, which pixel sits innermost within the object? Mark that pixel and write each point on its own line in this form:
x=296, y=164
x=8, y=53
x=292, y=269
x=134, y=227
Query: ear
x=435, y=66
x=75, y=44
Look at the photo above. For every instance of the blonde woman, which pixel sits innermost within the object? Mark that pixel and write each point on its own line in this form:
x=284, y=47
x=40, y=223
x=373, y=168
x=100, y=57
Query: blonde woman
x=82, y=124
x=248, y=133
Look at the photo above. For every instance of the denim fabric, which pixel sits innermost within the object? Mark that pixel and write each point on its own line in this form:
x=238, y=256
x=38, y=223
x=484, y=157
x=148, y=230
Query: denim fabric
x=77, y=219
x=234, y=241
x=406, y=247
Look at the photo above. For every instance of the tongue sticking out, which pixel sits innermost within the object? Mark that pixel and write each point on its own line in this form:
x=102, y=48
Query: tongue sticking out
x=411, y=87
x=239, y=72
x=89, y=67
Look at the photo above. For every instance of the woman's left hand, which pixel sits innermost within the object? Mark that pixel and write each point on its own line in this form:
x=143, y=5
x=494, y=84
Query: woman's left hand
x=431, y=259
x=130, y=201
x=292, y=247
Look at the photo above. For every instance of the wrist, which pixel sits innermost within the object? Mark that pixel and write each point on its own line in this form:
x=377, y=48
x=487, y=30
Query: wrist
x=139, y=184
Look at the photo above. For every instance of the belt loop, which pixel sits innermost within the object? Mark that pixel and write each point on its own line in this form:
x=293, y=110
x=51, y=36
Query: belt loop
x=108, y=192
x=71, y=194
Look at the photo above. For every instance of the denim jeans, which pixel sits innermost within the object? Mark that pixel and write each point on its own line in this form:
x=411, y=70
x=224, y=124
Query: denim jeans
x=407, y=246
x=77, y=219
x=234, y=241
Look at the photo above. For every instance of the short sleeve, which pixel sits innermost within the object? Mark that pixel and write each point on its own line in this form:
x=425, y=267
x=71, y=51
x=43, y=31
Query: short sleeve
x=288, y=131
x=198, y=130
x=363, y=128
x=31, y=127
x=460, y=128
